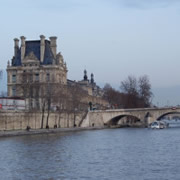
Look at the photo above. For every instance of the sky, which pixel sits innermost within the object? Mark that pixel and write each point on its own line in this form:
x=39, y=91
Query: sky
x=110, y=38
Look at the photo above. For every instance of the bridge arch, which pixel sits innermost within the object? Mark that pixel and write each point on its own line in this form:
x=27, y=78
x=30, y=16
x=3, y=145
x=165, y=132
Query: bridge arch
x=165, y=114
x=116, y=119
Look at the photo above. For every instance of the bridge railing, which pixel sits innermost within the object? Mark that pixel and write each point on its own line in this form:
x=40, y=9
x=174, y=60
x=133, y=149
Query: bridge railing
x=138, y=109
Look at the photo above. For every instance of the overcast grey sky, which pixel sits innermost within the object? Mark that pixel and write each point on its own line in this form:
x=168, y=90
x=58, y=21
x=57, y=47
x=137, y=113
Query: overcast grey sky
x=111, y=38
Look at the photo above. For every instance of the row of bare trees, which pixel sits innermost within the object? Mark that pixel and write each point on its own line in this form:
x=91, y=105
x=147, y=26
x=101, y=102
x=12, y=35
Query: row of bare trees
x=50, y=96
x=133, y=93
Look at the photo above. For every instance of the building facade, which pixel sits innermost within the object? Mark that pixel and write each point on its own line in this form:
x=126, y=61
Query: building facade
x=90, y=85
x=35, y=61
x=94, y=92
x=36, y=67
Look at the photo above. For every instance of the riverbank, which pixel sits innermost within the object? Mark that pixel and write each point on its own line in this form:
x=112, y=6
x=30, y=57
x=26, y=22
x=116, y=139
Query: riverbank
x=44, y=131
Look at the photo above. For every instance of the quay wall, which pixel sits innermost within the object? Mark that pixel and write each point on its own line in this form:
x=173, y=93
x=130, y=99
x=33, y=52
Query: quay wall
x=17, y=120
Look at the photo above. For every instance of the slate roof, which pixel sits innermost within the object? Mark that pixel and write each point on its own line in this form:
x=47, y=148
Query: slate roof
x=34, y=46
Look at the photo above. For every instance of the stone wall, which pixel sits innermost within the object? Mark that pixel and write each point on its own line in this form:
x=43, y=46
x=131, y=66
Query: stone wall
x=15, y=120
x=93, y=119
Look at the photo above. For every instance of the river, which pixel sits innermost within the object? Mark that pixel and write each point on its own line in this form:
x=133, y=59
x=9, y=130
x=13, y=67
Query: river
x=109, y=154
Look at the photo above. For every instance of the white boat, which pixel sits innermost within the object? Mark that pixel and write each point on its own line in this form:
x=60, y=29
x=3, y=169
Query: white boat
x=158, y=125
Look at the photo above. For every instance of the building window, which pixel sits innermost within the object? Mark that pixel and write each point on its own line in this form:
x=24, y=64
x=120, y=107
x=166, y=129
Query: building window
x=37, y=103
x=14, y=78
x=47, y=77
x=36, y=92
x=24, y=78
x=30, y=103
x=14, y=91
x=31, y=78
x=36, y=77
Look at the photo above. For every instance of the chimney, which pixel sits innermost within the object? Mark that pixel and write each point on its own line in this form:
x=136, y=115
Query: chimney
x=53, y=45
x=23, y=47
x=92, y=78
x=16, y=46
x=42, y=49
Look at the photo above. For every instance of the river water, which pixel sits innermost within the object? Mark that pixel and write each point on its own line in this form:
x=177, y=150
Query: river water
x=109, y=154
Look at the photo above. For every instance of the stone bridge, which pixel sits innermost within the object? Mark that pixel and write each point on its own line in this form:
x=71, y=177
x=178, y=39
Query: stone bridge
x=143, y=116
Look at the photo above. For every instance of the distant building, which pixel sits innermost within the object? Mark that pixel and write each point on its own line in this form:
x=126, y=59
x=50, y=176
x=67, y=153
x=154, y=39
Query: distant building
x=90, y=85
x=95, y=93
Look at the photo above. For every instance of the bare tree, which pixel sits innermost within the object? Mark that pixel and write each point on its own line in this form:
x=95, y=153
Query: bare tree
x=77, y=94
x=24, y=87
x=43, y=104
x=29, y=90
x=61, y=100
x=137, y=92
x=145, y=93
x=38, y=94
x=130, y=88
x=113, y=96
x=47, y=98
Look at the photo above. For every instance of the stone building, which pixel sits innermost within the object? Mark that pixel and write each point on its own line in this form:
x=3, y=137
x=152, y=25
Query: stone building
x=35, y=65
x=90, y=85
x=94, y=92
x=39, y=60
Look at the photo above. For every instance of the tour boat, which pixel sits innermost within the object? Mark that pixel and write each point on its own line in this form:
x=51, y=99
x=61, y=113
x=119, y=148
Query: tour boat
x=159, y=125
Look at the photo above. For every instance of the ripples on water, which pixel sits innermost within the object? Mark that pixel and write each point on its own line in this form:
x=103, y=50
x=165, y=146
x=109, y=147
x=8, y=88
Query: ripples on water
x=111, y=154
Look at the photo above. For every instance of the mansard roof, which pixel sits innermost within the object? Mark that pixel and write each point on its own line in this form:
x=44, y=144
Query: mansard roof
x=34, y=46
x=16, y=61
